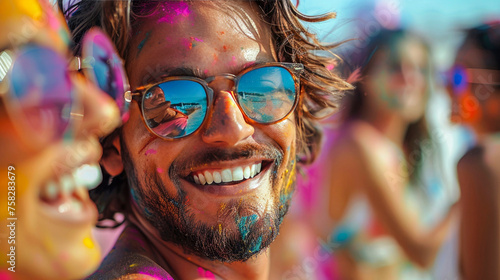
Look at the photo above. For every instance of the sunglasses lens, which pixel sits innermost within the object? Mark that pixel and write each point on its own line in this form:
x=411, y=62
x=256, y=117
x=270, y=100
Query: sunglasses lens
x=105, y=67
x=174, y=109
x=267, y=94
x=41, y=85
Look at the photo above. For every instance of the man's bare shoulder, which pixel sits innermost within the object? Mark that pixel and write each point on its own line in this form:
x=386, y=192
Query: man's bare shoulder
x=130, y=259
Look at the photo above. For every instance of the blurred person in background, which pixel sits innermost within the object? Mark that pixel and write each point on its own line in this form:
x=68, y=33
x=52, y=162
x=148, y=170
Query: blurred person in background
x=373, y=188
x=50, y=121
x=474, y=87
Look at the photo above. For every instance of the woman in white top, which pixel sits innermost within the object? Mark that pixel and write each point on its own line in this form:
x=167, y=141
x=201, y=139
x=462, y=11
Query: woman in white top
x=372, y=179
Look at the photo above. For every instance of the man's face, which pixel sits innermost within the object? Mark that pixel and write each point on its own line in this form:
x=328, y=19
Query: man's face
x=228, y=221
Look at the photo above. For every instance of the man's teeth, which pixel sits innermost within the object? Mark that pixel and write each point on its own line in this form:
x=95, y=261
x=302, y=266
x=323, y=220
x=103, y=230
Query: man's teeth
x=72, y=188
x=227, y=175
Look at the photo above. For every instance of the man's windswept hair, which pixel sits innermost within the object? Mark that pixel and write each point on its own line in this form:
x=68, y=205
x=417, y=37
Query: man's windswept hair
x=321, y=88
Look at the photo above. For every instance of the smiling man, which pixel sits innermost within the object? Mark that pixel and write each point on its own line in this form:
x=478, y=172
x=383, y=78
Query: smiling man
x=205, y=171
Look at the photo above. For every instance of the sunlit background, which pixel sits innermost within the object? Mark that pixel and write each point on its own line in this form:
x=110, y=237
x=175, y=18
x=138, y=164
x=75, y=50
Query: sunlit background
x=442, y=23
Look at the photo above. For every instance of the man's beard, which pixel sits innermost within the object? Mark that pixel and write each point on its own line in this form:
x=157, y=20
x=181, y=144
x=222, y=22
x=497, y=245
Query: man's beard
x=244, y=231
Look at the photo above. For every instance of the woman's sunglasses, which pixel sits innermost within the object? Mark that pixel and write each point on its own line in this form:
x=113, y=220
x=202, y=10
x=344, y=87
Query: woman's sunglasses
x=37, y=91
x=178, y=106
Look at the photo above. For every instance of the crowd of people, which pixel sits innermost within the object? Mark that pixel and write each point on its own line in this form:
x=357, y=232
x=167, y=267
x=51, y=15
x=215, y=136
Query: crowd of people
x=203, y=131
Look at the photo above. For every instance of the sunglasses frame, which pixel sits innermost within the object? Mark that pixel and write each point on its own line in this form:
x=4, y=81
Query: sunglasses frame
x=294, y=69
x=85, y=64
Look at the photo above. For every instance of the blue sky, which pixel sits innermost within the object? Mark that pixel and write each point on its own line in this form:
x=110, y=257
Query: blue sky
x=438, y=20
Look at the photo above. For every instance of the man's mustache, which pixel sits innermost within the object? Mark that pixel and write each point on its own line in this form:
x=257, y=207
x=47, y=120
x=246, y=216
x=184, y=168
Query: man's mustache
x=213, y=155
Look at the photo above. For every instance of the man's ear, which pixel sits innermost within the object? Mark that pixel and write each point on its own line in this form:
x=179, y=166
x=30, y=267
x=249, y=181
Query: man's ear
x=111, y=154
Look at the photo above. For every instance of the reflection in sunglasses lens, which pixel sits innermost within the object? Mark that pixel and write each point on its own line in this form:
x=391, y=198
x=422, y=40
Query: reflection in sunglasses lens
x=106, y=67
x=40, y=83
x=266, y=94
x=103, y=71
x=175, y=108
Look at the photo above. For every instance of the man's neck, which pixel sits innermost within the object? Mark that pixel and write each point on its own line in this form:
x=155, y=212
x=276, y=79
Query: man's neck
x=182, y=265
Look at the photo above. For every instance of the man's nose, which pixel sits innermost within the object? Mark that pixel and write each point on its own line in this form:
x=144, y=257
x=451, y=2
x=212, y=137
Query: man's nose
x=226, y=124
x=99, y=113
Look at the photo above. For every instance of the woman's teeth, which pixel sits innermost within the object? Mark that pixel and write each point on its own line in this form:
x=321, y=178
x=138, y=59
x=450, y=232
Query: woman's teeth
x=67, y=193
x=227, y=175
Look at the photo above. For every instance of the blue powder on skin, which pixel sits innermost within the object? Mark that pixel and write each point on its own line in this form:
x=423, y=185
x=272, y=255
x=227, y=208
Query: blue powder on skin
x=142, y=43
x=256, y=247
x=245, y=223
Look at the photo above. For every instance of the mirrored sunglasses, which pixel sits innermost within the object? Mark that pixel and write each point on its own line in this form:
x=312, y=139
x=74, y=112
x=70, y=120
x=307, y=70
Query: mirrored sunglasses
x=37, y=91
x=179, y=105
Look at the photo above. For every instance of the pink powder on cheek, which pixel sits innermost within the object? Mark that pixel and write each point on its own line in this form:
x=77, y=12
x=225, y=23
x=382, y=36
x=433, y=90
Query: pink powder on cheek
x=159, y=170
x=150, y=152
x=201, y=272
x=216, y=58
x=209, y=275
x=205, y=273
x=233, y=63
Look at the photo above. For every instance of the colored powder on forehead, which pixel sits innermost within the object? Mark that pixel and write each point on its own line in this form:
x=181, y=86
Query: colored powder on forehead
x=190, y=42
x=142, y=43
x=172, y=12
x=187, y=43
x=196, y=39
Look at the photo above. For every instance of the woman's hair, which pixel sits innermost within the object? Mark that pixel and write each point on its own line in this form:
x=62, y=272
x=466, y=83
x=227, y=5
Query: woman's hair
x=417, y=134
x=321, y=89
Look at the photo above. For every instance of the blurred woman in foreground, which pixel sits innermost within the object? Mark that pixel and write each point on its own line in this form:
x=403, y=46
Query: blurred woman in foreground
x=373, y=179
x=474, y=87
x=50, y=122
